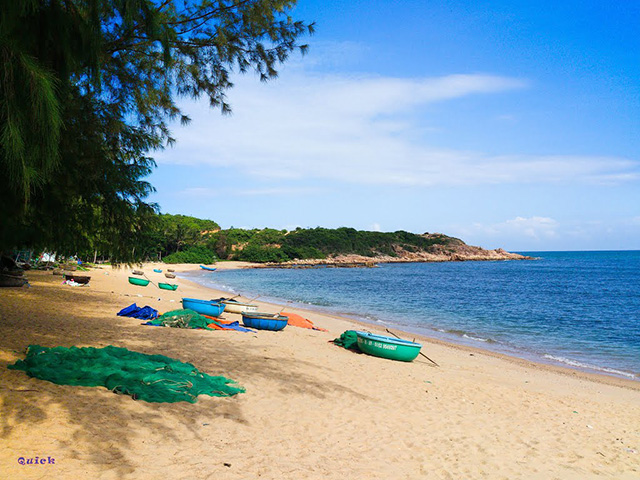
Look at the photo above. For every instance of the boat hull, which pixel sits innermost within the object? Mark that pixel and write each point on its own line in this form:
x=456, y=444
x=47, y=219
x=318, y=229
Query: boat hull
x=157, y=270
x=12, y=281
x=141, y=282
x=168, y=286
x=203, y=307
x=207, y=268
x=239, y=307
x=387, y=347
x=264, y=321
x=83, y=279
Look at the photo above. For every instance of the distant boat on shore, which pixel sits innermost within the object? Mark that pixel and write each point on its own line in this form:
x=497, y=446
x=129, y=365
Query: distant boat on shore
x=12, y=280
x=207, y=268
x=139, y=281
x=233, y=306
x=82, y=279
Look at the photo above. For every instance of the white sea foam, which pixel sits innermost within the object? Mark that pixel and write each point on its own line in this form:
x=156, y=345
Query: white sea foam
x=478, y=339
x=574, y=363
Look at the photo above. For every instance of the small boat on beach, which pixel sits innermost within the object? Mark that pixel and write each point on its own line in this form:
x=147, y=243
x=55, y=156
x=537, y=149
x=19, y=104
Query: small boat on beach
x=137, y=272
x=211, y=269
x=388, y=347
x=12, y=280
x=157, y=270
x=203, y=307
x=142, y=282
x=170, y=270
x=168, y=286
x=169, y=275
x=234, y=306
x=264, y=321
x=83, y=279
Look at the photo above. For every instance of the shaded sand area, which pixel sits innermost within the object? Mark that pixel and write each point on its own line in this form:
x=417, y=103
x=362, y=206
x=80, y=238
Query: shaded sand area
x=311, y=410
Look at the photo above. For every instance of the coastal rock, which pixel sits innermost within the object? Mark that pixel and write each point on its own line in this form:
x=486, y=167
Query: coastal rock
x=454, y=252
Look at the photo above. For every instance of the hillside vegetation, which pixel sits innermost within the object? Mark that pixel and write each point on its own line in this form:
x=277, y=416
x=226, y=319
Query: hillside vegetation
x=184, y=239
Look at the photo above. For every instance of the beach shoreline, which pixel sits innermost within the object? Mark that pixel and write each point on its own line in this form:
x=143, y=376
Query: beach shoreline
x=311, y=409
x=586, y=373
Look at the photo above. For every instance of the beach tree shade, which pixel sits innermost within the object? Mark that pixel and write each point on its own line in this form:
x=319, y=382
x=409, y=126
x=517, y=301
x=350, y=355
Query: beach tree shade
x=88, y=91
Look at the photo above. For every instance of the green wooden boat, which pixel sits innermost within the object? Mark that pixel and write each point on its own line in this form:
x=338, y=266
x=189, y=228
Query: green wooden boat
x=387, y=347
x=168, y=286
x=139, y=281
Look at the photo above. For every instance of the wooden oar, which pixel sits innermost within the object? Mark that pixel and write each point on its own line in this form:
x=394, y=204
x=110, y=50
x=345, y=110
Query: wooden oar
x=239, y=295
x=420, y=352
x=145, y=276
x=282, y=309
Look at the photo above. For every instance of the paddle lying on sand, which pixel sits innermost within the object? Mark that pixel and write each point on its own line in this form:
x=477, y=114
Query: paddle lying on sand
x=145, y=276
x=389, y=331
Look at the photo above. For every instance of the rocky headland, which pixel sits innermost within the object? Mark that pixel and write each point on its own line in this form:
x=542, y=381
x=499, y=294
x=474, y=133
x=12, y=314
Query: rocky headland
x=455, y=250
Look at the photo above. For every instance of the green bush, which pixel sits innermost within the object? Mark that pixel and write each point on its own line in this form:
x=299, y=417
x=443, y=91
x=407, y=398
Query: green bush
x=261, y=254
x=192, y=255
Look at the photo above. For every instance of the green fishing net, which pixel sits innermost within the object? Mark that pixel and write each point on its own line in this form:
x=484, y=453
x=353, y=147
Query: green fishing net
x=153, y=378
x=181, y=319
x=348, y=340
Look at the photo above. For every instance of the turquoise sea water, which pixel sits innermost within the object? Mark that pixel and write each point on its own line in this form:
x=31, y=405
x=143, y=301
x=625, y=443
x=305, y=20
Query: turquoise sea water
x=579, y=309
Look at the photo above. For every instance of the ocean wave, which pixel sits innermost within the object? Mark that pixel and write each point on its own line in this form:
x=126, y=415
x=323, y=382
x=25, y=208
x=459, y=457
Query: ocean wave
x=478, y=339
x=575, y=363
x=467, y=335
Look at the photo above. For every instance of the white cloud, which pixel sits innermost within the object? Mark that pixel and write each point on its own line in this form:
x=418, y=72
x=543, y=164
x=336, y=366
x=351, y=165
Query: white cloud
x=363, y=129
x=531, y=228
x=546, y=233
x=200, y=192
x=204, y=192
x=276, y=191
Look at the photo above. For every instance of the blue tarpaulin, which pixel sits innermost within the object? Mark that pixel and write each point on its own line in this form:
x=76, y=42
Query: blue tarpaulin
x=143, y=313
x=234, y=326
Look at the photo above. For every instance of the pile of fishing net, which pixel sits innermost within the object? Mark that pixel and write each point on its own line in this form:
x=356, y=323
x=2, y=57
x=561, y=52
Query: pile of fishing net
x=183, y=318
x=153, y=378
x=348, y=340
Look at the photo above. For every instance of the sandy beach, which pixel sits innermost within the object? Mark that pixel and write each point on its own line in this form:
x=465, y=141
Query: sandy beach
x=311, y=410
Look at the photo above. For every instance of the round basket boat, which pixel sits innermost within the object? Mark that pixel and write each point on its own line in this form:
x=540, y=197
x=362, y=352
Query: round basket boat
x=83, y=279
x=143, y=282
x=168, y=286
x=203, y=307
x=264, y=321
x=387, y=347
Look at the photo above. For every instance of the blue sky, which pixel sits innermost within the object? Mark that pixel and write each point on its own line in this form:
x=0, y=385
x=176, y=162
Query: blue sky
x=506, y=124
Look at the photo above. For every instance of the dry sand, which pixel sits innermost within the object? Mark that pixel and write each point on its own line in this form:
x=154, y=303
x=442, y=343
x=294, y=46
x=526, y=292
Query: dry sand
x=311, y=410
